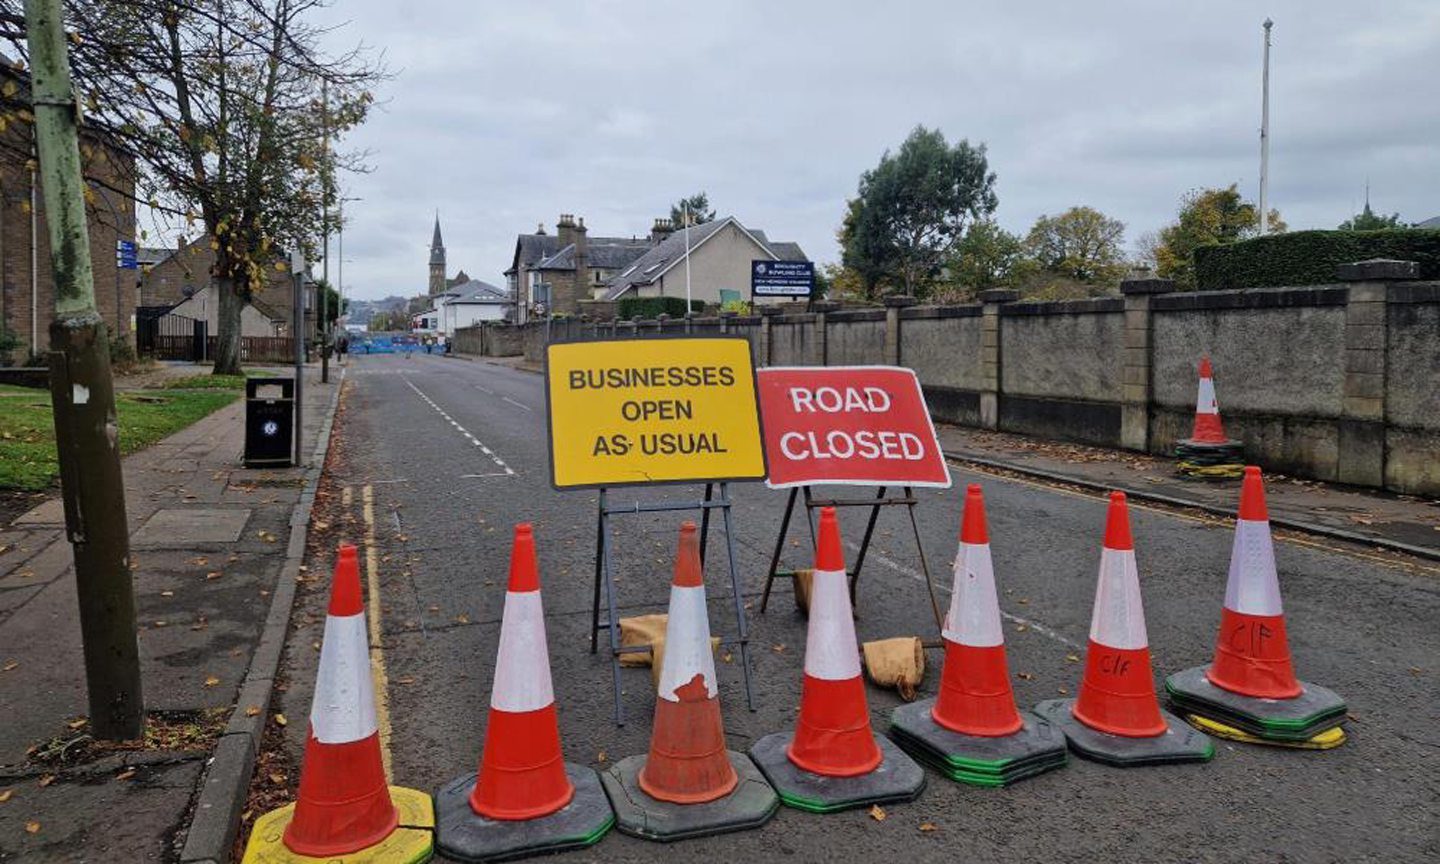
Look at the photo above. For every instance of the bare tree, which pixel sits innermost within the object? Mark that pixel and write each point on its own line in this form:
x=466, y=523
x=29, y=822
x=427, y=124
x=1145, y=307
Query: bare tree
x=220, y=103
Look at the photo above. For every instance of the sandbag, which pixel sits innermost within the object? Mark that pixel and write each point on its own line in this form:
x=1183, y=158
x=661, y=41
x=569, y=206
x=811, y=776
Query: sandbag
x=897, y=662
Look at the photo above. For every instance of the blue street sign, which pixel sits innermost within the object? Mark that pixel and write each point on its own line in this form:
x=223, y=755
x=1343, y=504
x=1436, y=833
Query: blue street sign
x=782, y=278
x=125, y=257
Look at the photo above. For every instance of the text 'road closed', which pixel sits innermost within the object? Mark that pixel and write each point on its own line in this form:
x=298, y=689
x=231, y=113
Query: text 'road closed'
x=666, y=410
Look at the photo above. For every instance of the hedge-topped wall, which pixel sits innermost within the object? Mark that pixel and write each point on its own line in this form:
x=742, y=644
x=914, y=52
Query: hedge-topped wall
x=651, y=307
x=1310, y=257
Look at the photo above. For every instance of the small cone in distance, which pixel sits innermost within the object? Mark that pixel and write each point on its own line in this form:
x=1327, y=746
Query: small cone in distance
x=832, y=734
x=1252, y=652
x=688, y=761
x=1117, y=693
x=1208, y=429
x=522, y=770
x=975, y=695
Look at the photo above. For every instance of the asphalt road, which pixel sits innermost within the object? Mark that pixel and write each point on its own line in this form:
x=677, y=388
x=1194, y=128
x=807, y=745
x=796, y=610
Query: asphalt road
x=454, y=453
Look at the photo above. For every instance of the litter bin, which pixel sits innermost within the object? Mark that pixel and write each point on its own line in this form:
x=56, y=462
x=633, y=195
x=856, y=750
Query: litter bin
x=269, y=422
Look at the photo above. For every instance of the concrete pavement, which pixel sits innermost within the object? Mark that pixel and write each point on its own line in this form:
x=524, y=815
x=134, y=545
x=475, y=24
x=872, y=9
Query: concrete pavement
x=449, y=455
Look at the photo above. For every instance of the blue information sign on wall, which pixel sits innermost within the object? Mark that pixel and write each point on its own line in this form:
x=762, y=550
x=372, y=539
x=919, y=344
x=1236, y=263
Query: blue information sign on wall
x=125, y=255
x=782, y=278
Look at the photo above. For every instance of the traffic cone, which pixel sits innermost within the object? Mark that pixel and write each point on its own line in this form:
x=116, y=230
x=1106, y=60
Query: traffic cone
x=832, y=739
x=972, y=732
x=1208, y=429
x=345, y=806
x=975, y=696
x=1250, y=685
x=688, y=762
x=1117, y=705
x=689, y=784
x=525, y=799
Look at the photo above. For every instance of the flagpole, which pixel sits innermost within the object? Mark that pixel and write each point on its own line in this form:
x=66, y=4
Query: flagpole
x=686, y=207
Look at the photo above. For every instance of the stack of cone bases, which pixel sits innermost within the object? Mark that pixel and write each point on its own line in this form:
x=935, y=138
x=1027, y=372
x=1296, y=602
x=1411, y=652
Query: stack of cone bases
x=345, y=810
x=1249, y=692
x=1117, y=718
x=689, y=784
x=833, y=761
x=526, y=799
x=972, y=732
x=1207, y=453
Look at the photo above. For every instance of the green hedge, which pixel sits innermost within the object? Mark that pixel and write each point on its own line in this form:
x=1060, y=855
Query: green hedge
x=653, y=307
x=1310, y=257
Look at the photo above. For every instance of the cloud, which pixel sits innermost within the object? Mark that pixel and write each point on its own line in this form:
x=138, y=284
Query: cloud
x=502, y=116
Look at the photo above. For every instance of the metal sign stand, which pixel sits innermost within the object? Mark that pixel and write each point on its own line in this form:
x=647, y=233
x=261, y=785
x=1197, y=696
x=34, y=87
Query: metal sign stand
x=604, y=575
x=881, y=499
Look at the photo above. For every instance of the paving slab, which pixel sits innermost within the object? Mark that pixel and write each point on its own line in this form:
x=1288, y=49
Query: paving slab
x=181, y=527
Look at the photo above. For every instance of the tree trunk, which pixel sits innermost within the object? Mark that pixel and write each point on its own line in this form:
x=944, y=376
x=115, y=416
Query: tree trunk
x=227, y=330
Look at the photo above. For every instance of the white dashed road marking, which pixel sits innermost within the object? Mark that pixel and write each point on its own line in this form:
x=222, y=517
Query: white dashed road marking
x=516, y=404
x=505, y=470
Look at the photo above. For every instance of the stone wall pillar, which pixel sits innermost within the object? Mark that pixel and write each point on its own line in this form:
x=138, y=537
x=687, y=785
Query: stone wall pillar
x=819, y=354
x=1136, y=387
x=893, y=305
x=990, y=354
x=767, y=334
x=725, y=321
x=1362, y=425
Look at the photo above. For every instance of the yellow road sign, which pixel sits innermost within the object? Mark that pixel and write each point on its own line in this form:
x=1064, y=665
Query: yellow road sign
x=652, y=411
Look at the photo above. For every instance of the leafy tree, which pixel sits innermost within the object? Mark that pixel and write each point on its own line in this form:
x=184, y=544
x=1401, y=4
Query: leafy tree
x=1207, y=217
x=987, y=257
x=698, y=206
x=332, y=304
x=1369, y=220
x=914, y=207
x=221, y=104
x=1082, y=244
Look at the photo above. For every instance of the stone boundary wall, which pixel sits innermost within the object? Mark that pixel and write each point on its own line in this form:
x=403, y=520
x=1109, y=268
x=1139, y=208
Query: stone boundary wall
x=1336, y=382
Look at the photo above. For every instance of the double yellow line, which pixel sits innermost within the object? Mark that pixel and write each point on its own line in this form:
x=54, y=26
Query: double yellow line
x=378, y=677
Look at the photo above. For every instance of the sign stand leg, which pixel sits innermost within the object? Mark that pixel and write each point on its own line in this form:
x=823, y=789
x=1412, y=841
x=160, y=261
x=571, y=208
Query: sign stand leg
x=705, y=525
x=599, y=574
x=924, y=564
x=779, y=547
x=865, y=544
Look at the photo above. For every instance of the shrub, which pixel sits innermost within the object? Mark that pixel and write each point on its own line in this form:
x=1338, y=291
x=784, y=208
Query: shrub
x=1310, y=257
x=653, y=307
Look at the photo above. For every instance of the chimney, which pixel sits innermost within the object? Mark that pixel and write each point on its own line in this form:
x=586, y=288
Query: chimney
x=565, y=228
x=660, y=230
x=582, y=261
x=540, y=228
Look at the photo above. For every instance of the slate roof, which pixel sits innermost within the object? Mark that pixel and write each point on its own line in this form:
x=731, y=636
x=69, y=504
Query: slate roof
x=476, y=291
x=605, y=253
x=652, y=264
x=530, y=248
x=1432, y=222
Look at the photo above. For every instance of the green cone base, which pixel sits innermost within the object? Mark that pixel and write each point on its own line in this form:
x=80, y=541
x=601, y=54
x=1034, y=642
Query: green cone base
x=749, y=805
x=1315, y=710
x=464, y=835
x=897, y=778
x=1178, y=743
x=978, y=760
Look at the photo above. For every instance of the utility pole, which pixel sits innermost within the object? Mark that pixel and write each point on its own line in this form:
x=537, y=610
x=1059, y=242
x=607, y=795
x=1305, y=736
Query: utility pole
x=325, y=180
x=83, y=397
x=1265, y=135
x=297, y=271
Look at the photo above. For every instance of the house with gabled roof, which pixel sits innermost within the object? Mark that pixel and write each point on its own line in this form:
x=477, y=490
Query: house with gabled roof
x=719, y=256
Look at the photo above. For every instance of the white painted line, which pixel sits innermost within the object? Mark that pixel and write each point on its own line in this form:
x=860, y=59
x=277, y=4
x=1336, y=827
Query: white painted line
x=516, y=404
x=877, y=555
x=506, y=469
x=486, y=390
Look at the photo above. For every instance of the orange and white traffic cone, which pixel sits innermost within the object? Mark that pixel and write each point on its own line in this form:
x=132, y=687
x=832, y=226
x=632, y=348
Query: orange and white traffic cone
x=833, y=740
x=972, y=732
x=689, y=784
x=345, y=807
x=1208, y=429
x=975, y=696
x=1251, y=685
x=1117, y=705
x=523, y=778
x=1207, y=453
x=688, y=762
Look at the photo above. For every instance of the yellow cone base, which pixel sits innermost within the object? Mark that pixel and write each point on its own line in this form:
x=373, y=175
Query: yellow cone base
x=1327, y=740
x=412, y=842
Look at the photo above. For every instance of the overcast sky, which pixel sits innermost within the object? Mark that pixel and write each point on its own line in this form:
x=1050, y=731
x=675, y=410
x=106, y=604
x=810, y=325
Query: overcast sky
x=502, y=115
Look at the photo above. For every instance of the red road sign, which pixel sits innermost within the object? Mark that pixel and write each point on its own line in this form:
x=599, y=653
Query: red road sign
x=859, y=425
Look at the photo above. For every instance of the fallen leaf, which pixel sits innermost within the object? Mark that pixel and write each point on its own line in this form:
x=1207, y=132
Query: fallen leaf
x=927, y=827
x=462, y=619
x=877, y=813
x=77, y=723
x=211, y=681
x=252, y=710
x=6, y=795
x=1023, y=601
x=126, y=774
x=1062, y=691
x=1362, y=520
x=46, y=780
x=778, y=647
x=212, y=575
x=32, y=827
x=161, y=623
x=602, y=756
x=280, y=720
x=405, y=679
x=200, y=561
x=277, y=779
x=167, y=593
x=1072, y=658
x=9, y=665
x=1025, y=676
x=1021, y=628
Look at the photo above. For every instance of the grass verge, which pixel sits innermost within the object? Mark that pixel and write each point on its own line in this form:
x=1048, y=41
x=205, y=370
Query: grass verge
x=27, y=431
x=212, y=382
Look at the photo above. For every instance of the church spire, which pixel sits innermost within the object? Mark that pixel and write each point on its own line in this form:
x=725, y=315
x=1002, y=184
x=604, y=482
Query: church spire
x=437, y=245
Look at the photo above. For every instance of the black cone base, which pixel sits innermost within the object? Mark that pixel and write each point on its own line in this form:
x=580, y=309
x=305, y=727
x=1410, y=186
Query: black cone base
x=464, y=835
x=749, y=805
x=979, y=761
x=897, y=778
x=1179, y=743
x=1314, y=711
